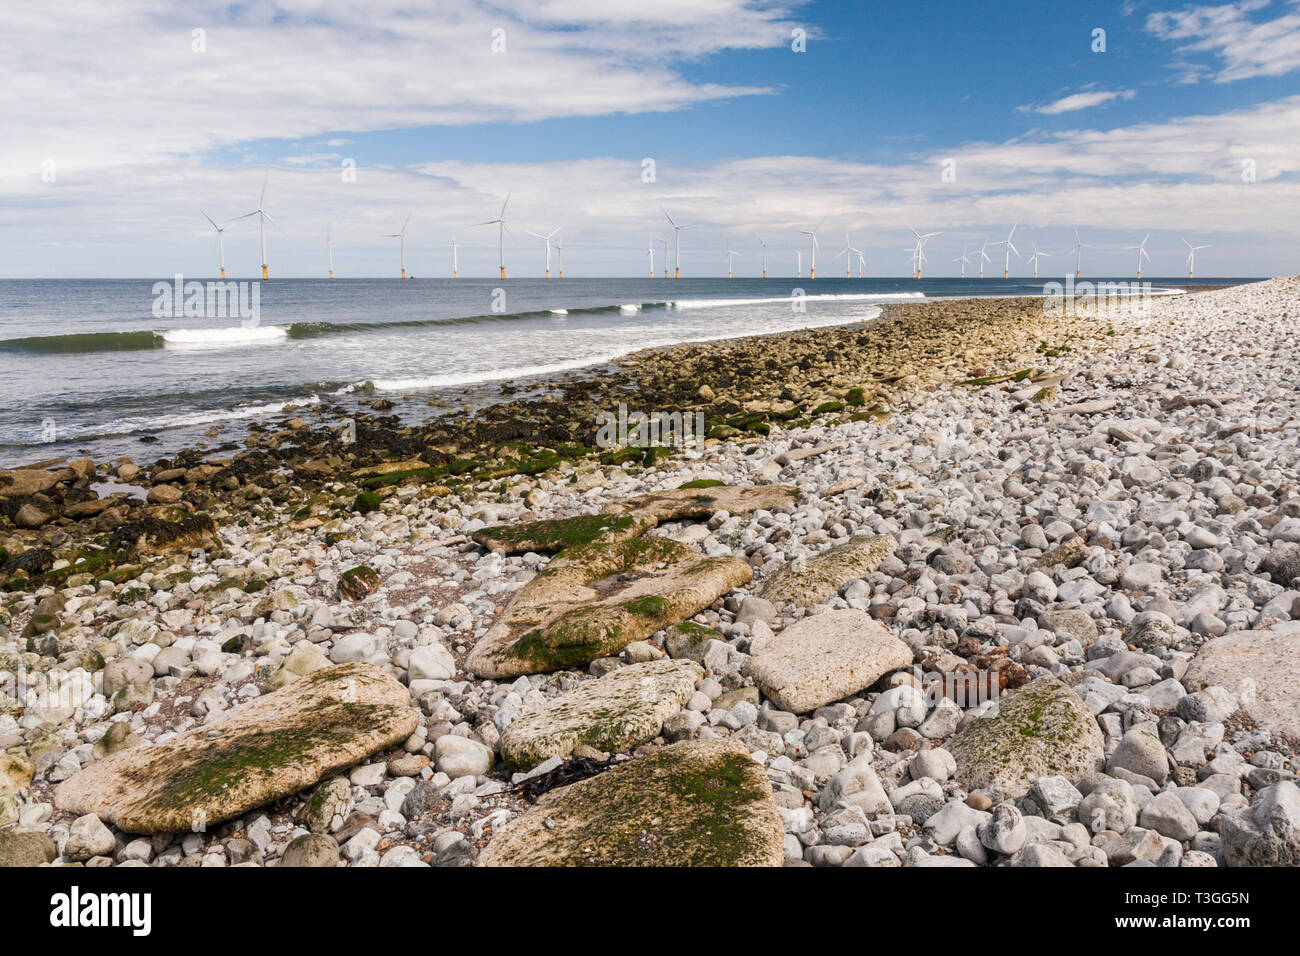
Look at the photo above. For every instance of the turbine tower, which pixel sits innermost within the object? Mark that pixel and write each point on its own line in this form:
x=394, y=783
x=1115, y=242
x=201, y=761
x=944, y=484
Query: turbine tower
x=263, y=217
x=547, y=239
x=812, y=235
x=847, y=252
x=1006, y=265
x=964, y=260
x=1191, y=258
x=651, y=253
x=1141, y=248
x=455, y=264
x=983, y=257
x=764, y=246
x=559, y=259
x=1077, y=251
x=920, y=248
x=221, y=248
x=798, y=263
x=329, y=244
x=500, y=223
x=730, y=253
x=677, y=244
x=401, y=236
x=1036, y=256
x=665, y=243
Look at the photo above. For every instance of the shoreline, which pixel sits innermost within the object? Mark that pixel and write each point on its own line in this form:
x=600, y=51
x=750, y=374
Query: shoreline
x=982, y=438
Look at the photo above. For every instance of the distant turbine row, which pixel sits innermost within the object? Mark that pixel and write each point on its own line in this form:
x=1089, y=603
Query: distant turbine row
x=917, y=259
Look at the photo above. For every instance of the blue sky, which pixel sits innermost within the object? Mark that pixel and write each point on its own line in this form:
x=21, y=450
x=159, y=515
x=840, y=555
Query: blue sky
x=142, y=129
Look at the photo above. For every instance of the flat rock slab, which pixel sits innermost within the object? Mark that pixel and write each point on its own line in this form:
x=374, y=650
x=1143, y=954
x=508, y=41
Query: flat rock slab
x=556, y=534
x=267, y=749
x=615, y=714
x=1093, y=407
x=1261, y=668
x=816, y=579
x=681, y=503
x=1041, y=730
x=696, y=803
x=594, y=600
x=824, y=658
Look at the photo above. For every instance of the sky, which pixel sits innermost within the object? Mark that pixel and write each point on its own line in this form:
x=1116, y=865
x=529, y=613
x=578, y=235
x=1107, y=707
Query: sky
x=121, y=124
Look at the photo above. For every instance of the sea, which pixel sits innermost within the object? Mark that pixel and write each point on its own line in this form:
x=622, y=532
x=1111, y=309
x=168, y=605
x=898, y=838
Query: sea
x=103, y=368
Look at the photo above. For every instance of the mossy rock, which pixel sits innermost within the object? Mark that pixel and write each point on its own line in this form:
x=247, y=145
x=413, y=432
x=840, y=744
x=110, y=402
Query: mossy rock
x=262, y=751
x=616, y=713
x=819, y=578
x=686, y=503
x=702, y=483
x=357, y=583
x=556, y=534
x=1041, y=730
x=366, y=502
x=695, y=803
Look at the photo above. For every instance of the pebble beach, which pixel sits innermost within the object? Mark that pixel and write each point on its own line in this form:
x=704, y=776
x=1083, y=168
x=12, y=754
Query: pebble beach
x=486, y=641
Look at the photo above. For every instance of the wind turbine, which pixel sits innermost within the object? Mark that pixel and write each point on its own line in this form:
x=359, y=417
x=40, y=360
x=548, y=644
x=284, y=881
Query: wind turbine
x=329, y=244
x=263, y=217
x=983, y=257
x=1141, y=248
x=677, y=244
x=847, y=252
x=917, y=260
x=964, y=260
x=221, y=248
x=401, y=236
x=920, y=248
x=547, y=240
x=651, y=253
x=1035, y=257
x=730, y=253
x=862, y=261
x=798, y=263
x=764, y=245
x=559, y=258
x=812, y=234
x=500, y=223
x=455, y=264
x=1191, y=258
x=665, y=243
x=1006, y=266
x=1078, y=253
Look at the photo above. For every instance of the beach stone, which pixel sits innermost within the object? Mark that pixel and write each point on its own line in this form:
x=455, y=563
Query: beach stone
x=615, y=713
x=1110, y=805
x=1266, y=834
x=88, y=837
x=16, y=773
x=1070, y=624
x=825, y=658
x=269, y=748
x=327, y=808
x=303, y=660
x=694, y=803
x=683, y=503
x=1261, y=669
x=21, y=482
x=461, y=757
x=815, y=579
x=556, y=534
x=1141, y=751
x=25, y=848
x=1069, y=553
x=1167, y=815
x=592, y=601
x=1040, y=730
x=311, y=849
x=857, y=785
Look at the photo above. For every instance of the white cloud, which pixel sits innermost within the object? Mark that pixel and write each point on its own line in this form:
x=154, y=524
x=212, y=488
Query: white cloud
x=1247, y=47
x=95, y=85
x=1079, y=101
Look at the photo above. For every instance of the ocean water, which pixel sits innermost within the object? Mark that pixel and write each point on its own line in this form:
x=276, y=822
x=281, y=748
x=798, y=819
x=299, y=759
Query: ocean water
x=89, y=367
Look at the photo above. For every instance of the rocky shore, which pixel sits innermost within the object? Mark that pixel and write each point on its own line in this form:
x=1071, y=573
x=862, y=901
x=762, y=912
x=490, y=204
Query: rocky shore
x=969, y=585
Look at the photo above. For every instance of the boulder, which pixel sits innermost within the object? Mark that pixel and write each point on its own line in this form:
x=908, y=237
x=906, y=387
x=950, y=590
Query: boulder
x=680, y=503
x=1261, y=669
x=266, y=749
x=808, y=581
x=694, y=803
x=556, y=534
x=824, y=658
x=615, y=713
x=1040, y=730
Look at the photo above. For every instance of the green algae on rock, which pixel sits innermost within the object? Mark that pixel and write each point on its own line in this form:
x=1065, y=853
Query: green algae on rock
x=808, y=581
x=1041, y=730
x=615, y=713
x=556, y=534
x=269, y=748
x=695, y=803
x=682, y=503
x=595, y=599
